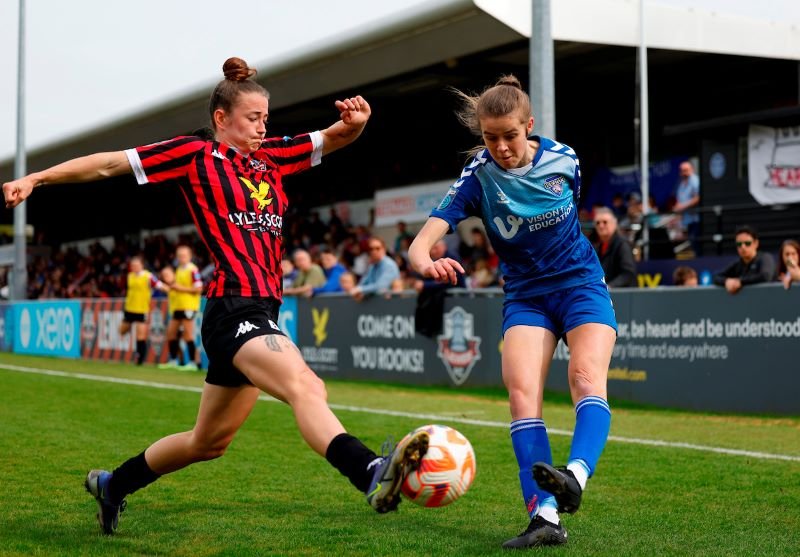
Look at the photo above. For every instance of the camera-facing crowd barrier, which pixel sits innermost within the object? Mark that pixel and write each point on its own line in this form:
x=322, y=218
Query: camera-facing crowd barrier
x=699, y=349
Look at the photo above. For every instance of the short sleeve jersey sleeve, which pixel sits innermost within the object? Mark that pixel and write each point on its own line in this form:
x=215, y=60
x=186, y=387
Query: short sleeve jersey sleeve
x=294, y=154
x=462, y=200
x=164, y=161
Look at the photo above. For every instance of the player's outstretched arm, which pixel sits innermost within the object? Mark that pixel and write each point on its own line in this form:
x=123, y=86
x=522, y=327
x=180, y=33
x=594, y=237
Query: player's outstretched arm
x=419, y=254
x=83, y=169
x=353, y=115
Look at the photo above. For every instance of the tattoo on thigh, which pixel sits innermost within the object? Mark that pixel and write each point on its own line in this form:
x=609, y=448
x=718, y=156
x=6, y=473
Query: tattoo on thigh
x=272, y=343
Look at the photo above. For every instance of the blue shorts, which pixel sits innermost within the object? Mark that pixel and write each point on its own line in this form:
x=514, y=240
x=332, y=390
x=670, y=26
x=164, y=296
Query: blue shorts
x=563, y=310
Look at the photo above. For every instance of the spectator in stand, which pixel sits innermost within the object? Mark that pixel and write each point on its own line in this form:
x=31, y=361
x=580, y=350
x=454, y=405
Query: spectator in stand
x=347, y=281
x=684, y=276
x=289, y=273
x=403, y=238
x=333, y=271
x=381, y=272
x=751, y=267
x=788, y=268
x=478, y=247
x=309, y=275
x=631, y=224
x=687, y=197
x=614, y=251
x=619, y=206
x=482, y=276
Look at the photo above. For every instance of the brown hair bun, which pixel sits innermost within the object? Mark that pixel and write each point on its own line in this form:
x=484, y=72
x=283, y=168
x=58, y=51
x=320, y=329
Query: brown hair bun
x=509, y=80
x=236, y=69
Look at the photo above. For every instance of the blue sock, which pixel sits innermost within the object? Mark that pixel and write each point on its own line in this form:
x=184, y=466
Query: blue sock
x=531, y=444
x=592, y=423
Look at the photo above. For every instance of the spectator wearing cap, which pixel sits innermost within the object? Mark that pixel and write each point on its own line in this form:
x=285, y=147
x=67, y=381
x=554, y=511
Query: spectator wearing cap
x=614, y=251
x=751, y=267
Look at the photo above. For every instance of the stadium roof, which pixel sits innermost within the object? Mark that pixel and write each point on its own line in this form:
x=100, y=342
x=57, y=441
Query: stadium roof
x=444, y=30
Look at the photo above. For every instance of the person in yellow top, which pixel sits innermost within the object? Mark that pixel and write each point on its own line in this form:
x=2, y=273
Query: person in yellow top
x=140, y=284
x=184, y=305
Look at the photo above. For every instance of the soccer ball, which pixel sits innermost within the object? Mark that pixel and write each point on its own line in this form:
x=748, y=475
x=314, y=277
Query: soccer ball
x=445, y=472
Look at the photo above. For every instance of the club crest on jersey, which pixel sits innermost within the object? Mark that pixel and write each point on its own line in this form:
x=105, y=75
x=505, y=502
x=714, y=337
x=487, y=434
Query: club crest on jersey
x=555, y=184
x=259, y=193
x=259, y=166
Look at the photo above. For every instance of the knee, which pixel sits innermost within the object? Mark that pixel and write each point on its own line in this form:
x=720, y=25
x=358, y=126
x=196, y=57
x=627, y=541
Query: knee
x=209, y=449
x=585, y=381
x=308, y=386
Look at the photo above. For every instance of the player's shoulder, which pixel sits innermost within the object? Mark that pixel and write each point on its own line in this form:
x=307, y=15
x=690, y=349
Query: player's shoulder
x=556, y=147
x=474, y=165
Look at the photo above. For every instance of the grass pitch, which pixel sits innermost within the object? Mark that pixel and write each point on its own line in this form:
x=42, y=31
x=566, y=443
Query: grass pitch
x=271, y=495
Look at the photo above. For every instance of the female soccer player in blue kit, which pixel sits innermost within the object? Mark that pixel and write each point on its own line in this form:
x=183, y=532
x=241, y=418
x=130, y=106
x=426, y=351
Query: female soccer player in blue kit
x=526, y=192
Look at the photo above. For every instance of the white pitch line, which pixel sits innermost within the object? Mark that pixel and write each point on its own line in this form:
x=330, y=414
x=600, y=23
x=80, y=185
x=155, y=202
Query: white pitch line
x=397, y=413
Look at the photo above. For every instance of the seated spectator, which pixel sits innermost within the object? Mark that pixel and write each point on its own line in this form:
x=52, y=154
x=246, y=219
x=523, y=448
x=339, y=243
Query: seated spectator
x=481, y=275
x=347, y=281
x=382, y=270
x=614, y=251
x=684, y=276
x=788, y=269
x=289, y=273
x=333, y=270
x=309, y=274
x=751, y=267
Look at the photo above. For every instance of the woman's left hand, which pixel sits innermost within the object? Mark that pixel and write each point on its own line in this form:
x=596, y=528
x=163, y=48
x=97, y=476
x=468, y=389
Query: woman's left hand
x=354, y=112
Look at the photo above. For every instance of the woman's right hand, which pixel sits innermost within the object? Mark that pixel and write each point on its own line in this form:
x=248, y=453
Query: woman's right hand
x=443, y=270
x=16, y=191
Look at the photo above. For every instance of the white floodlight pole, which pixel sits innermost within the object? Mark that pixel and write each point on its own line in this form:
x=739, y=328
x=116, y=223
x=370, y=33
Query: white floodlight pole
x=20, y=285
x=542, y=81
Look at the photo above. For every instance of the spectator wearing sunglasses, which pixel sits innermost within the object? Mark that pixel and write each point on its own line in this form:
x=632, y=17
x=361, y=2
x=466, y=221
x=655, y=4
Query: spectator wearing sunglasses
x=751, y=267
x=614, y=251
x=381, y=272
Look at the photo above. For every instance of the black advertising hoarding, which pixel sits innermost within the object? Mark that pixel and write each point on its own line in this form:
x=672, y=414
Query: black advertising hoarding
x=701, y=348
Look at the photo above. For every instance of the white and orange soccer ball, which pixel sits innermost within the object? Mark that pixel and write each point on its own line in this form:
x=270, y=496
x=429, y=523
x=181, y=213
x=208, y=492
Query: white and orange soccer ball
x=445, y=472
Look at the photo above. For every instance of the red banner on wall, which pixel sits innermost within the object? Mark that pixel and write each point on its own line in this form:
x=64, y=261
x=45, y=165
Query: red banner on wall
x=100, y=337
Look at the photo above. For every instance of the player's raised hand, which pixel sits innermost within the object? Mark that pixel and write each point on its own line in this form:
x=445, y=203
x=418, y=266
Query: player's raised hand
x=443, y=270
x=17, y=191
x=354, y=112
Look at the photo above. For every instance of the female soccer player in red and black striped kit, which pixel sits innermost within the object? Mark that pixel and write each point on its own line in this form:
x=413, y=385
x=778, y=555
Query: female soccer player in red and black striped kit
x=234, y=190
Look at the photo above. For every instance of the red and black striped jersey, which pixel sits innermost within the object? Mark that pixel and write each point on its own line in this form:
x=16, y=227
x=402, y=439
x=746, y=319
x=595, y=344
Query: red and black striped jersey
x=237, y=202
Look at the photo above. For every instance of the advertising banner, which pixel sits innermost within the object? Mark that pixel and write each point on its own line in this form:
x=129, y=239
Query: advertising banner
x=703, y=349
x=409, y=204
x=47, y=328
x=773, y=163
x=6, y=339
x=100, y=337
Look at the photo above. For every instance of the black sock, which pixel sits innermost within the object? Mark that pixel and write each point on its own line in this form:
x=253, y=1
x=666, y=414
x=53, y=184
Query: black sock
x=141, y=350
x=132, y=475
x=349, y=455
x=191, y=349
x=174, y=346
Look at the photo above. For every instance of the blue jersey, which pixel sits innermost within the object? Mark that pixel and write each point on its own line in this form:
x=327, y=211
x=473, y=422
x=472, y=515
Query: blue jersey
x=531, y=219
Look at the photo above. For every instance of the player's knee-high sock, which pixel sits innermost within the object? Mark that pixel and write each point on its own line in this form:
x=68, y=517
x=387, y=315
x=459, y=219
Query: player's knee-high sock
x=531, y=444
x=353, y=459
x=174, y=346
x=132, y=475
x=141, y=351
x=191, y=349
x=592, y=423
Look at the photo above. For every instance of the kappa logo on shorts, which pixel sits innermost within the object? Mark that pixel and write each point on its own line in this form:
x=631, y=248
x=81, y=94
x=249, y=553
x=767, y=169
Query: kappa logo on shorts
x=244, y=328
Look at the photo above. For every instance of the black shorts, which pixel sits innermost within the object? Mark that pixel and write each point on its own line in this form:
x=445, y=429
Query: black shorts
x=134, y=317
x=227, y=324
x=183, y=315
